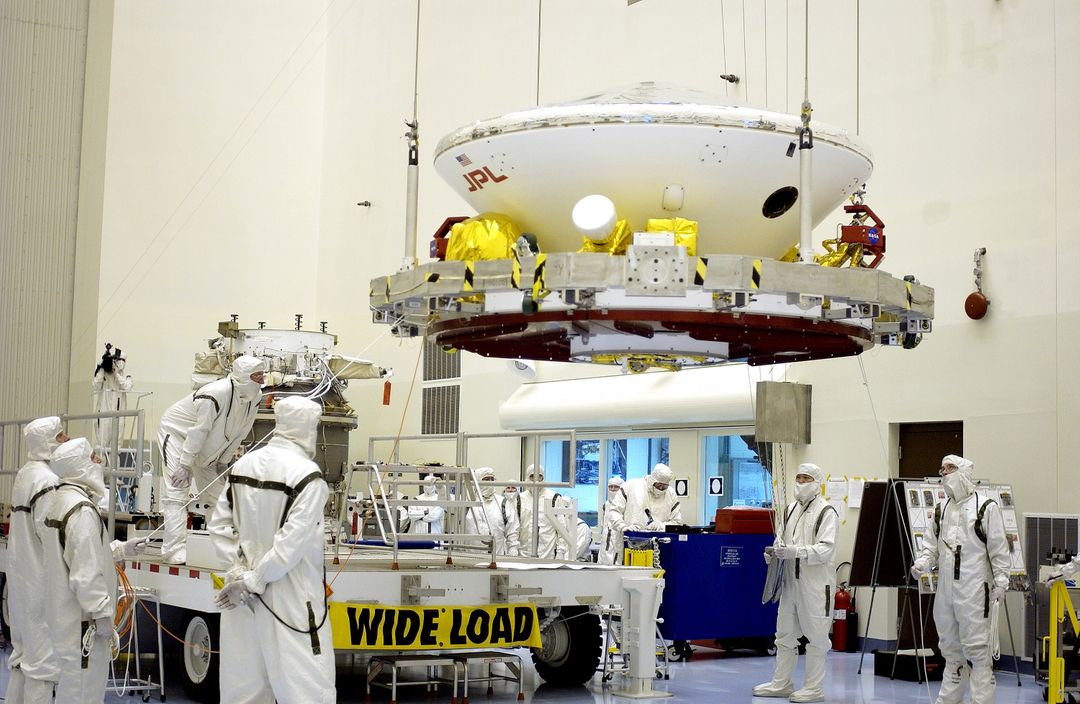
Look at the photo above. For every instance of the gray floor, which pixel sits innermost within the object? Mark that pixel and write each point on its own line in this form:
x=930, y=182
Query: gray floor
x=706, y=677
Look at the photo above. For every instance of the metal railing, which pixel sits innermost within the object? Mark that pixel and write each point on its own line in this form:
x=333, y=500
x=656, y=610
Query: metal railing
x=461, y=459
x=111, y=468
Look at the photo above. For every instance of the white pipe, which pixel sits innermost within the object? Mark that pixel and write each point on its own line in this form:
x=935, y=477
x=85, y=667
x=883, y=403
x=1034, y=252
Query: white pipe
x=411, y=194
x=806, y=244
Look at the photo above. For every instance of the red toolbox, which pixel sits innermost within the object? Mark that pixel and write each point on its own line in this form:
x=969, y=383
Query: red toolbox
x=744, y=520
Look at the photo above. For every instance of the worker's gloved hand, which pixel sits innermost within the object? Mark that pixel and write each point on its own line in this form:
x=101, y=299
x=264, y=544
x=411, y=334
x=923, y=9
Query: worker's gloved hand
x=180, y=476
x=127, y=548
x=135, y=546
x=768, y=554
x=997, y=594
x=104, y=628
x=232, y=595
x=918, y=569
x=786, y=552
x=1054, y=576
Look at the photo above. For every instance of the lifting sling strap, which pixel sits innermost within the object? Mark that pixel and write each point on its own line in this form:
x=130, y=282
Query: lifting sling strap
x=29, y=508
x=291, y=492
x=817, y=525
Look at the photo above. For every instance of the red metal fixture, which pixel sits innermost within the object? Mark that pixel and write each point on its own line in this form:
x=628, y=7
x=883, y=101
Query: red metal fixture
x=871, y=237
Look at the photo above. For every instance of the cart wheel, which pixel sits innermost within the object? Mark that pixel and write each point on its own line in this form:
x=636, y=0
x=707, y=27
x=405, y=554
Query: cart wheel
x=674, y=653
x=571, y=648
x=199, y=672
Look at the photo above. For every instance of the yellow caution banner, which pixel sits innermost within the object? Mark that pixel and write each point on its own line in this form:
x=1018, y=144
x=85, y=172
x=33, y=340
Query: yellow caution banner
x=377, y=627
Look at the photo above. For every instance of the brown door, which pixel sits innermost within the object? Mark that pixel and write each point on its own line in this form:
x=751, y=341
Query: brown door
x=922, y=445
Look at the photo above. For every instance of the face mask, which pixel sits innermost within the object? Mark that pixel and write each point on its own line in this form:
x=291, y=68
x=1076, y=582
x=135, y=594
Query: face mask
x=654, y=492
x=248, y=390
x=957, y=486
x=118, y=366
x=612, y=493
x=430, y=489
x=806, y=492
x=95, y=481
x=487, y=492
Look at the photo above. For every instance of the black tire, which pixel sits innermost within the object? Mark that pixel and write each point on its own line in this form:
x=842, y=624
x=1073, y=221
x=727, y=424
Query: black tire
x=198, y=670
x=571, y=650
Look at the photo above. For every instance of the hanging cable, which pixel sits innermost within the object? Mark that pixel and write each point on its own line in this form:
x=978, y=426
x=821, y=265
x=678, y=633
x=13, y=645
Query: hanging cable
x=873, y=410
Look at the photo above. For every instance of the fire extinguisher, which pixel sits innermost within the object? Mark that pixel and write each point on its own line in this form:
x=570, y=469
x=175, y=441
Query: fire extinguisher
x=845, y=619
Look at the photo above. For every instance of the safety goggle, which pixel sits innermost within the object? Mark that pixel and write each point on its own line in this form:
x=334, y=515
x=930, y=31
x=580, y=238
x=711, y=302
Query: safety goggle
x=947, y=469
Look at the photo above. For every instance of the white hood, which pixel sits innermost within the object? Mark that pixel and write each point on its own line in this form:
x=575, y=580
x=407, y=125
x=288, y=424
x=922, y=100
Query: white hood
x=72, y=464
x=297, y=420
x=242, y=369
x=40, y=436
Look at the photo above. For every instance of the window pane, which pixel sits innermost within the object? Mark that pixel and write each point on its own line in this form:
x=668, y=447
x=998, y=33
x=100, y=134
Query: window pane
x=745, y=481
x=554, y=454
x=632, y=458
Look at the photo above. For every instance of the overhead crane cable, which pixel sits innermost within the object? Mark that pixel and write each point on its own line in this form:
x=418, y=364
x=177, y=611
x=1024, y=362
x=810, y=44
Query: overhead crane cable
x=205, y=175
x=745, y=63
x=723, y=44
x=416, y=64
x=539, y=26
x=765, y=47
x=806, y=51
x=858, y=61
x=873, y=410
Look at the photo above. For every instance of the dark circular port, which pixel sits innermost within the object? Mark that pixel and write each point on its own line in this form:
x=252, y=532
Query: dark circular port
x=780, y=202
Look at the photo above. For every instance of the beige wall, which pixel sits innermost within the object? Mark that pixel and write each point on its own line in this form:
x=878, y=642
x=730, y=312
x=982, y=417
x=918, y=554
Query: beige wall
x=241, y=136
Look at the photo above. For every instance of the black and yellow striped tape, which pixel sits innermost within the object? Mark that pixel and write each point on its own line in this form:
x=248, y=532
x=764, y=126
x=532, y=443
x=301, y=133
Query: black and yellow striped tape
x=700, y=271
x=755, y=278
x=539, y=290
x=469, y=276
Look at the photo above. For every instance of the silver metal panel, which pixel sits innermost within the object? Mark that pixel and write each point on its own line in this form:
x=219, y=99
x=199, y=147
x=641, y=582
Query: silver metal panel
x=494, y=274
x=728, y=273
x=783, y=412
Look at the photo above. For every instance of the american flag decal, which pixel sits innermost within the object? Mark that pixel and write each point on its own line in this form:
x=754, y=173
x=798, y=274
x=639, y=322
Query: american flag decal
x=463, y=160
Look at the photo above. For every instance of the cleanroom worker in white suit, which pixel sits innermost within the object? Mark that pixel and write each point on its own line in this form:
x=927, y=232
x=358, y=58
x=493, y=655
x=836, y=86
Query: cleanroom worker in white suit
x=427, y=519
x=110, y=387
x=648, y=503
x=495, y=517
x=268, y=528
x=81, y=584
x=34, y=669
x=966, y=543
x=807, y=545
x=199, y=435
x=611, y=540
x=554, y=527
x=1067, y=571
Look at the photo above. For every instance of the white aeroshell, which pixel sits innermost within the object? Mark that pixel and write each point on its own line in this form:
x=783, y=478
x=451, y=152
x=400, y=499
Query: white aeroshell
x=534, y=165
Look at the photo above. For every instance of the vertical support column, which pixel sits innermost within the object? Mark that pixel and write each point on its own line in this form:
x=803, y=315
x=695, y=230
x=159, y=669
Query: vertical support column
x=641, y=602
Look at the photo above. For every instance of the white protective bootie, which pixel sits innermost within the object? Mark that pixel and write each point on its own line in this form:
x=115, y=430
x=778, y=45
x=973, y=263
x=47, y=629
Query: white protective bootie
x=954, y=681
x=812, y=690
x=780, y=686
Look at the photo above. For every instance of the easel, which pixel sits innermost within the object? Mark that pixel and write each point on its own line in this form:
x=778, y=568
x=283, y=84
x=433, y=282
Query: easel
x=892, y=504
